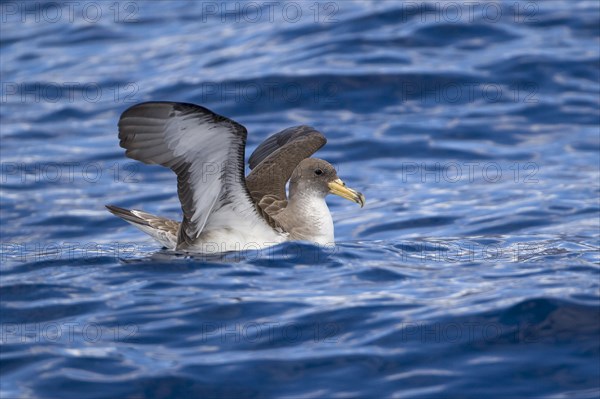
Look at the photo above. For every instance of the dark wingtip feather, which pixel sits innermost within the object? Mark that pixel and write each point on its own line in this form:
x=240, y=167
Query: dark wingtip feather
x=125, y=214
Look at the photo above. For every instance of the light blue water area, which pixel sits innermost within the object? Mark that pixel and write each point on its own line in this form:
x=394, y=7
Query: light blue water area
x=473, y=270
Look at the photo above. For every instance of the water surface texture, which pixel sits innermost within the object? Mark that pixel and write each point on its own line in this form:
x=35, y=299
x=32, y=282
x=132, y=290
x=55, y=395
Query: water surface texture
x=473, y=270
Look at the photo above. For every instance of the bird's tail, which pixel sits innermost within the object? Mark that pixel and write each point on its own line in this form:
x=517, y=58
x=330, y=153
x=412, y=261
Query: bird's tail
x=161, y=229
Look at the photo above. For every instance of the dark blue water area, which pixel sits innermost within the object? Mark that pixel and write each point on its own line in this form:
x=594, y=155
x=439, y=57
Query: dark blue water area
x=473, y=270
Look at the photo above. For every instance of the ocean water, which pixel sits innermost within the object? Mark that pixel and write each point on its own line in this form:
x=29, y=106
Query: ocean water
x=473, y=270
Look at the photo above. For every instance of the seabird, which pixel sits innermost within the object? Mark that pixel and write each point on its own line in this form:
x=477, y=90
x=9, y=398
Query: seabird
x=224, y=210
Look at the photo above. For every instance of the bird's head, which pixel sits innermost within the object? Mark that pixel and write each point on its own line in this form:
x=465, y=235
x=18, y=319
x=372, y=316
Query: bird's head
x=317, y=175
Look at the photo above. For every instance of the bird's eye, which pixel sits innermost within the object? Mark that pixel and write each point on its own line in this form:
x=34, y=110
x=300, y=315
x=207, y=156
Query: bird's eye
x=318, y=172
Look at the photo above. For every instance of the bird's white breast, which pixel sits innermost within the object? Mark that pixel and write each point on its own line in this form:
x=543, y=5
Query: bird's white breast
x=320, y=221
x=236, y=229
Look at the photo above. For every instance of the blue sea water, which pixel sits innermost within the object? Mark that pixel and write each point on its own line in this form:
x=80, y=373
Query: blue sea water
x=473, y=271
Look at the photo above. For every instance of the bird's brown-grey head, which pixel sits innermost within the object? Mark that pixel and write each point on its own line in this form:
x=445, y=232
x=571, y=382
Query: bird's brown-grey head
x=318, y=176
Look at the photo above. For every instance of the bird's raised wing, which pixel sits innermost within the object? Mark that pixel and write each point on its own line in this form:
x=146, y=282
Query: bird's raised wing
x=204, y=149
x=273, y=162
